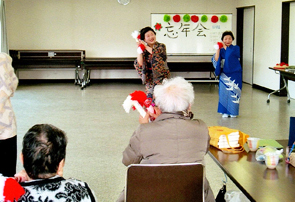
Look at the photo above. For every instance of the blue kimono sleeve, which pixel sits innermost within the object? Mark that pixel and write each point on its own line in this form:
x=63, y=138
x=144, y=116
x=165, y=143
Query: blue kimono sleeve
x=216, y=65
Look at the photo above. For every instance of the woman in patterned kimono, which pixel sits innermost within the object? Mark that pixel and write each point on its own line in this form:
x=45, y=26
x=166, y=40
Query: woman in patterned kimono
x=230, y=76
x=151, y=65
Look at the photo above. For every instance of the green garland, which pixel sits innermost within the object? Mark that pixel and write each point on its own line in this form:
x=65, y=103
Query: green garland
x=204, y=18
x=223, y=18
x=167, y=18
x=186, y=18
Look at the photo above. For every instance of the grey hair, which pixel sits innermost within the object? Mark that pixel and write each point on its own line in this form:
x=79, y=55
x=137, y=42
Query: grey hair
x=174, y=95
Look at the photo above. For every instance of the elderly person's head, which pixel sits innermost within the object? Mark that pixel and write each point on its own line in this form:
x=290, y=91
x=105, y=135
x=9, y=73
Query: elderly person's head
x=44, y=151
x=174, y=95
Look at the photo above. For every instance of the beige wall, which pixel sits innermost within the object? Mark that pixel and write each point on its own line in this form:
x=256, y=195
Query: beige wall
x=267, y=40
x=102, y=27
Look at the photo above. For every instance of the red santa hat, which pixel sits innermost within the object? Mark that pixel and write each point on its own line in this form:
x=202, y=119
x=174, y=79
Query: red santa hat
x=10, y=189
x=219, y=45
x=135, y=34
x=138, y=100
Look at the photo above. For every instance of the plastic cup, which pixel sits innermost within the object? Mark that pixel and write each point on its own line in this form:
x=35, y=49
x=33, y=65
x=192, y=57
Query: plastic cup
x=253, y=143
x=271, y=160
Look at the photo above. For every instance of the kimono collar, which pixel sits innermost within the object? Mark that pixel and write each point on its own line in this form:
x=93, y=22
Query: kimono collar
x=155, y=45
x=55, y=178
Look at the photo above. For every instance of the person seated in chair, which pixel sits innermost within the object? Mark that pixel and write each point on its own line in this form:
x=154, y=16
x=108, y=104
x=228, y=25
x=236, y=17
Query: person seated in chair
x=172, y=137
x=43, y=156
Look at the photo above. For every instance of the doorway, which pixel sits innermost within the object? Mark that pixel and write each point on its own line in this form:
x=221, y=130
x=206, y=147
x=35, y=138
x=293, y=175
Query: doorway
x=245, y=39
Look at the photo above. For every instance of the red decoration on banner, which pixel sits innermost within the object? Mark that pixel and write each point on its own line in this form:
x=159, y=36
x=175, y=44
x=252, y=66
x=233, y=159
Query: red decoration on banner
x=176, y=18
x=194, y=18
x=214, y=19
x=158, y=26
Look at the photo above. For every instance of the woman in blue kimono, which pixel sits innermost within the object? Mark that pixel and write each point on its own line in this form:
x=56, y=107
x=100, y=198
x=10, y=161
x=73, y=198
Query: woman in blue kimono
x=227, y=65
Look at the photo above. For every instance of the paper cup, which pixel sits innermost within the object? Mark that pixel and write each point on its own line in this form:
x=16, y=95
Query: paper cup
x=253, y=143
x=271, y=160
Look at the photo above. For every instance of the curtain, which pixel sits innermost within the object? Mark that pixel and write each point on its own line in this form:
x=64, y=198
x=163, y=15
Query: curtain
x=4, y=43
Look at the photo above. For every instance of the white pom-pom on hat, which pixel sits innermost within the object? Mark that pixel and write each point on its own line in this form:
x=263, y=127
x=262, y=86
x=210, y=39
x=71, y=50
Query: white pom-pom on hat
x=216, y=46
x=135, y=35
x=219, y=45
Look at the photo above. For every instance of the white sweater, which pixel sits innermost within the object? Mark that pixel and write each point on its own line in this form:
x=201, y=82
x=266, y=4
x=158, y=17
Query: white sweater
x=8, y=85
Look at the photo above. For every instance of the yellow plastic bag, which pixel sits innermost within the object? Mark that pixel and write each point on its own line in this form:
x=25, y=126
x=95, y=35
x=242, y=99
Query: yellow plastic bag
x=216, y=131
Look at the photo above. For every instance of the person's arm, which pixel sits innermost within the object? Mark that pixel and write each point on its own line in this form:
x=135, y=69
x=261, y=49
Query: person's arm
x=145, y=119
x=157, y=112
x=216, y=56
x=149, y=49
x=205, y=133
x=217, y=63
x=139, y=59
x=208, y=143
x=21, y=176
x=138, y=67
x=131, y=155
x=214, y=62
x=150, y=116
x=139, y=56
x=8, y=79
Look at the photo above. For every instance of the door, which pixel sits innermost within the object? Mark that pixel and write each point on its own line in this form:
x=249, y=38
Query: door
x=291, y=57
x=248, y=45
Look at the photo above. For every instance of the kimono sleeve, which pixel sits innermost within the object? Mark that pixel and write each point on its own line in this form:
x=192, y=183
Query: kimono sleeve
x=214, y=62
x=138, y=68
x=217, y=65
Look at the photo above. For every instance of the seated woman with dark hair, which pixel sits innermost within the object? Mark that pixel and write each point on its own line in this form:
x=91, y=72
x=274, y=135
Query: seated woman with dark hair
x=43, y=156
x=173, y=137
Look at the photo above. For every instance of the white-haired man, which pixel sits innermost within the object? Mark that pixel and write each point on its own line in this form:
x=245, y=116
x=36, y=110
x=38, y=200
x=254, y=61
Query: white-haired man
x=173, y=137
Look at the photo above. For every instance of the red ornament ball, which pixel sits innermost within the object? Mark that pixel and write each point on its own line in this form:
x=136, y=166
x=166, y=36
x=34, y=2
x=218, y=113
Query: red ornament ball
x=194, y=18
x=176, y=18
x=214, y=19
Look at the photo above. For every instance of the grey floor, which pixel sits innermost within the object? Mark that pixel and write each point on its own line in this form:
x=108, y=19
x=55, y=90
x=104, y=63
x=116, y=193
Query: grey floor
x=98, y=128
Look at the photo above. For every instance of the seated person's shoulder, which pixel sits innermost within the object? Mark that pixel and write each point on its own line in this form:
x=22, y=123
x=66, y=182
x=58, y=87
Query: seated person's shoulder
x=76, y=182
x=199, y=122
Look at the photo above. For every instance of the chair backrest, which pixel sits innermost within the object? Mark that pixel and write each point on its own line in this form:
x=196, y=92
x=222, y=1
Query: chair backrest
x=165, y=182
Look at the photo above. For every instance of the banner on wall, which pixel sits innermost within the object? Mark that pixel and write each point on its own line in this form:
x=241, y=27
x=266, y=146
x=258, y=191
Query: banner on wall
x=190, y=34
